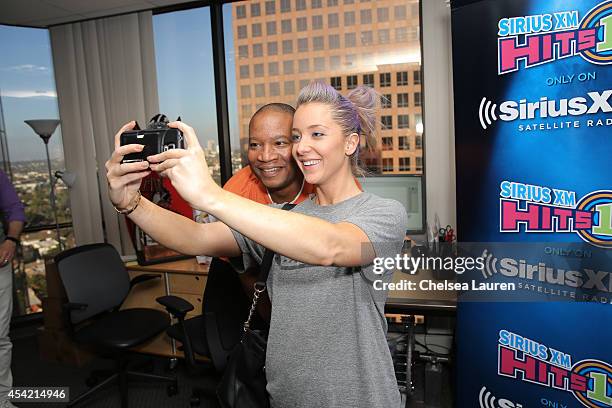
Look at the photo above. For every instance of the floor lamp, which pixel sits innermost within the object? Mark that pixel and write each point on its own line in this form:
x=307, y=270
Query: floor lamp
x=45, y=128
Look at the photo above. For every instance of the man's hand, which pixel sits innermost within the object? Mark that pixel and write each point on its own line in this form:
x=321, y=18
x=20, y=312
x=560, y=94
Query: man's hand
x=7, y=252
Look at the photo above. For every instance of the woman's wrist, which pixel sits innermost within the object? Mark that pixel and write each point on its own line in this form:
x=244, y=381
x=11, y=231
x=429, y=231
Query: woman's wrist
x=131, y=206
x=210, y=201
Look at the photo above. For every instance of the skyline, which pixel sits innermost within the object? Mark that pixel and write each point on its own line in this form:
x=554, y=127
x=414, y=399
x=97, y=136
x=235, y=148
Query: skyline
x=27, y=85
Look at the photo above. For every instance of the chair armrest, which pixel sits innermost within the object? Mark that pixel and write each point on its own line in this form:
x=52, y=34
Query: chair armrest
x=176, y=306
x=143, y=278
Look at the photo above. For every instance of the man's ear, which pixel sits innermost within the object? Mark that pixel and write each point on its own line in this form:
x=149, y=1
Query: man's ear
x=352, y=143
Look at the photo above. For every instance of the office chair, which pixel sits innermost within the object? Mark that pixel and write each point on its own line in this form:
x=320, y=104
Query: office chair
x=217, y=330
x=96, y=283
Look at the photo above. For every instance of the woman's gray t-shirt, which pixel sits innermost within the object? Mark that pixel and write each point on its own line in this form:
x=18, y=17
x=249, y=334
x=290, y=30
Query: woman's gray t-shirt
x=327, y=345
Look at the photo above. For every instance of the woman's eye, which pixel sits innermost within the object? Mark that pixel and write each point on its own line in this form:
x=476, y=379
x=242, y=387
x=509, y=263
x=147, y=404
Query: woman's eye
x=296, y=138
x=317, y=134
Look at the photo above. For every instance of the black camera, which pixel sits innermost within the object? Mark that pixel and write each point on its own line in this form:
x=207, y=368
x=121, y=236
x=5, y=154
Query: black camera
x=156, y=138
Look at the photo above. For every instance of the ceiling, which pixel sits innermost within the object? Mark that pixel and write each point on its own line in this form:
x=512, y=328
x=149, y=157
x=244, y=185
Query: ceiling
x=43, y=13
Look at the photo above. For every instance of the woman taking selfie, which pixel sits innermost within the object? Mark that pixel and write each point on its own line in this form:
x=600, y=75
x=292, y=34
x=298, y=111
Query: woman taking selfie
x=326, y=345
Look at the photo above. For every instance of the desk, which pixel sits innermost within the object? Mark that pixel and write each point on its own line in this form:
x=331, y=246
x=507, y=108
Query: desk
x=420, y=302
x=185, y=278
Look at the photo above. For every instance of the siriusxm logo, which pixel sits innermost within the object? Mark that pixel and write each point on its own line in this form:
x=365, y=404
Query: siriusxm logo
x=488, y=400
x=593, y=102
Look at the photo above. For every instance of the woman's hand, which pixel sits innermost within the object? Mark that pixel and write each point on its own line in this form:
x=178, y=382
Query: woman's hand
x=124, y=179
x=187, y=170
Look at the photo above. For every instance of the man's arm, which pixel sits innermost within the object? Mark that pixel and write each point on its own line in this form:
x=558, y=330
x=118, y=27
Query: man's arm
x=12, y=209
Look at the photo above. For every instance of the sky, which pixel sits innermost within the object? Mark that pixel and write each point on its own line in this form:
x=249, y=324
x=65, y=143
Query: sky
x=185, y=79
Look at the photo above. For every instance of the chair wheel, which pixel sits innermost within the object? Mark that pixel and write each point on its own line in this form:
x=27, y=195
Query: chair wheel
x=194, y=402
x=172, y=389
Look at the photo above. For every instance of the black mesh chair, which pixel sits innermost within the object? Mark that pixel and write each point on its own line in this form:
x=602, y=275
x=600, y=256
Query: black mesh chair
x=217, y=330
x=96, y=283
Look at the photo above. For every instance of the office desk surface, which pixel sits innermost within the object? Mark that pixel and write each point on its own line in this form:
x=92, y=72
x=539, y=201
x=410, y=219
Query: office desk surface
x=186, y=266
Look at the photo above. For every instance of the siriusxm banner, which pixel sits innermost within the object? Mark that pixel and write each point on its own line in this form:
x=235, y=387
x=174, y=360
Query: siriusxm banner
x=533, y=131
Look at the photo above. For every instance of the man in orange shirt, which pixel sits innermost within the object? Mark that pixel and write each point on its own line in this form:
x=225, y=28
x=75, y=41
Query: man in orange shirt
x=272, y=175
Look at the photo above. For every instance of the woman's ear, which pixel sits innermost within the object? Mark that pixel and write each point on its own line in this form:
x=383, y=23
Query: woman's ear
x=352, y=143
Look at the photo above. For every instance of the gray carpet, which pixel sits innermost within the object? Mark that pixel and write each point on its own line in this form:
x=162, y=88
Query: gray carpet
x=29, y=370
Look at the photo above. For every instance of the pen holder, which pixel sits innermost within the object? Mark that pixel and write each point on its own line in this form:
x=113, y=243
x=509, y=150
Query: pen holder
x=442, y=252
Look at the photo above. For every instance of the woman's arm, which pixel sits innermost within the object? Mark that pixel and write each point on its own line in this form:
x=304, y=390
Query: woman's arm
x=169, y=229
x=297, y=236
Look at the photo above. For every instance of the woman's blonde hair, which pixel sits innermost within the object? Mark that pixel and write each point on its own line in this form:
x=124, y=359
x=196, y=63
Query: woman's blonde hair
x=355, y=113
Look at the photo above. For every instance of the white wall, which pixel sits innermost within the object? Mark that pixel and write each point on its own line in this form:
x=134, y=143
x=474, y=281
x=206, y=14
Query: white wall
x=439, y=135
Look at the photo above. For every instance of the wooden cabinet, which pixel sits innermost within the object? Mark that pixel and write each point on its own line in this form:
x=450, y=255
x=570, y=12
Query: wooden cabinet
x=185, y=278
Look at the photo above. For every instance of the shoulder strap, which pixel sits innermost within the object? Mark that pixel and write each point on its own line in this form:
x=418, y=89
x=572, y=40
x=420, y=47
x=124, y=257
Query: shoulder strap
x=264, y=270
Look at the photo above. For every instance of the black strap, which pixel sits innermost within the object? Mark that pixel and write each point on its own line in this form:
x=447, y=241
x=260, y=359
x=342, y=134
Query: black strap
x=266, y=262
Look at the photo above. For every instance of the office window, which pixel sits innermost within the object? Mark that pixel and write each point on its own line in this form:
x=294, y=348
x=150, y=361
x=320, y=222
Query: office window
x=302, y=24
x=246, y=109
x=383, y=36
x=413, y=33
x=385, y=79
x=260, y=90
x=333, y=20
x=419, y=164
x=303, y=65
x=367, y=38
x=402, y=78
x=414, y=10
x=387, y=143
x=274, y=89
x=257, y=50
x=387, y=164
x=403, y=143
x=287, y=46
x=244, y=71
x=365, y=16
x=349, y=18
x=382, y=14
x=403, y=122
x=272, y=48
x=245, y=91
x=385, y=101
x=350, y=40
x=270, y=8
x=418, y=142
x=241, y=11
x=243, y=51
x=317, y=43
x=271, y=28
x=336, y=82
x=319, y=64
x=417, y=99
x=256, y=30
x=242, y=32
x=351, y=81
x=258, y=69
x=288, y=67
x=289, y=88
x=404, y=164
x=334, y=62
x=286, y=26
x=400, y=12
x=416, y=77
x=401, y=34
x=334, y=41
x=343, y=51
x=386, y=122
x=255, y=10
x=273, y=68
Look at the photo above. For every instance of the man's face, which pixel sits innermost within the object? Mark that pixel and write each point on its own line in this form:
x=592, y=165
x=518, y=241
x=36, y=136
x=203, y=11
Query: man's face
x=270, y=149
